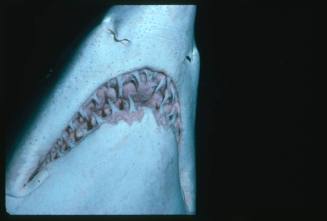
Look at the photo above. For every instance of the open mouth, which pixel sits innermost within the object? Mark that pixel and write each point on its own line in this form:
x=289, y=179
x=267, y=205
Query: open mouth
x=115, y=134
x=121, y=98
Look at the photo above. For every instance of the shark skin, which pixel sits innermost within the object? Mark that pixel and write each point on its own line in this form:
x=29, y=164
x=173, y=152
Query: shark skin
x=138, y=167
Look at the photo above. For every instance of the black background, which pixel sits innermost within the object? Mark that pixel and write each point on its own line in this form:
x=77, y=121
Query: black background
x=257, y=116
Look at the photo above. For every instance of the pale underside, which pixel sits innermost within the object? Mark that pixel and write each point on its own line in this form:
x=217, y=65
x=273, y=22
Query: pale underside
x=141, y=164
x=135, y=178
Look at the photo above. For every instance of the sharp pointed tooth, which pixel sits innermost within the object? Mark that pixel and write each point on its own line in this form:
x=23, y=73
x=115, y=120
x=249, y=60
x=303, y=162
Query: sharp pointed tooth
x=166, y=97
x=68, y=140
x=95, y=100
x=106, y=111
x=113, y=107
x=70, y=143
x=131, y=104
x=47, y=159
x=79, y=133
x=69, y=132
x=58, y=151
x=171, y=118
x=143, y=76
x=136, y=80
x=97, y=118
x=111, y=94
x=173, y=91
x=54, y=155
x=60, y=144
x=72, y=126
x=83, y=114
x=161, y=84
x=57, y=146
x=66, y=145
x=113, y=89
x=94, y=120
x=149, y=75
x=137, y=77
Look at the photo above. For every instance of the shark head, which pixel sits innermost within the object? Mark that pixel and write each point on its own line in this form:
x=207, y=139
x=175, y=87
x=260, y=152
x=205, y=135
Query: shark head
x=130, y=92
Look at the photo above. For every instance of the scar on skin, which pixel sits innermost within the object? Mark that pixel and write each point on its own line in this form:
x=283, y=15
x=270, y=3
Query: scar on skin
x=123, y=41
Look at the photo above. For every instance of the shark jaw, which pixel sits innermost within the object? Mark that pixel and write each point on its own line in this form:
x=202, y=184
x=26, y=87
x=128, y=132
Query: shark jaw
x=113, y=77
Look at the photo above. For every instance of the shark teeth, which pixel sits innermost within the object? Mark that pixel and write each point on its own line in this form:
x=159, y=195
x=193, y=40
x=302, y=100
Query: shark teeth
x=132, y=107
x=113, y=107
x=114, y=92
x=97, y=118
x=143, y=76
x=149, y=75
x=161, y=85
x=171, y=118
x=136, y=78
x=69, y=142
x=95, y=101
x=172, y=91
x=82, y=115
x=106, y=110
x=167, y=97
x=93, y=120
x=107, y=104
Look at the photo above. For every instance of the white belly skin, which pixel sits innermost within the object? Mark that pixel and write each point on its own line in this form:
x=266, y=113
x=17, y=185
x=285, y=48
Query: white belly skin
x=118, y=169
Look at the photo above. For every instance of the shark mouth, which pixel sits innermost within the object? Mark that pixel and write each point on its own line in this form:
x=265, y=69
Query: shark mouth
x=121, y=98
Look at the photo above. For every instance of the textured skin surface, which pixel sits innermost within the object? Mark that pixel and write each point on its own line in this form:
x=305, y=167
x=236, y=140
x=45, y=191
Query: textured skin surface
x=137, y=168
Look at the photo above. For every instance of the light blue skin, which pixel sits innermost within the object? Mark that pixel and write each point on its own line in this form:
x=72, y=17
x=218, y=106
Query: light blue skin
x=118, y=169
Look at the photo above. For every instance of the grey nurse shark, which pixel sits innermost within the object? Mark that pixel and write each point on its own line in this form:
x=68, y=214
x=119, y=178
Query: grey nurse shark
x=116, y=134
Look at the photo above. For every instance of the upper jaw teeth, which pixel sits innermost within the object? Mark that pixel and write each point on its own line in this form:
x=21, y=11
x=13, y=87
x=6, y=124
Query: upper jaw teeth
x=161, y=85
x=136, y=76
